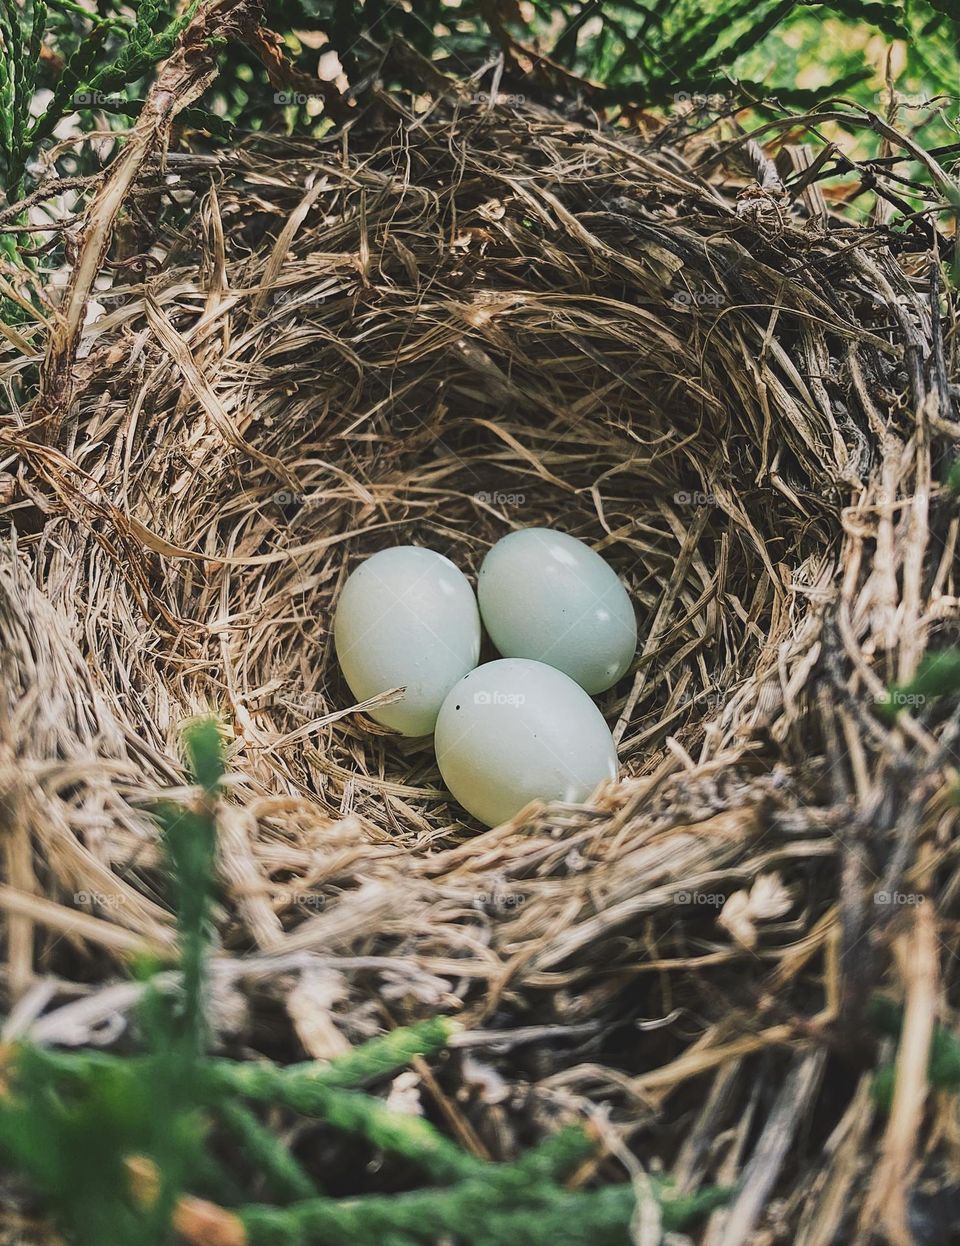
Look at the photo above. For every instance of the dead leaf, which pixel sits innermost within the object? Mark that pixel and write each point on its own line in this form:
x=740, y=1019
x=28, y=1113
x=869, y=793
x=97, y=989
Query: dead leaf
x=767, y=898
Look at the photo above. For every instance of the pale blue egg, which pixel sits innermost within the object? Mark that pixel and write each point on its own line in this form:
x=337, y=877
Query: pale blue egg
x=407, y=617
x=546, y=595
x=513, y=731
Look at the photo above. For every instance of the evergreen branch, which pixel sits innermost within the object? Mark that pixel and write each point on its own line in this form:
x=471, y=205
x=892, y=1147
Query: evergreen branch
x=295, y=1086
x=472, y=1212
x=267, y=1152
x=71, y=80
x=301, y=1086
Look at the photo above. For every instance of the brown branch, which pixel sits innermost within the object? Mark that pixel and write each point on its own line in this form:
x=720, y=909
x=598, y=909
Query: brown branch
x=267, y=46
x=889, y=1193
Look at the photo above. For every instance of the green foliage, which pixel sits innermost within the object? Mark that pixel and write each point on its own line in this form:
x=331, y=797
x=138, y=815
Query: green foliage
x=73, y=1123
x=943, y=1067
x=641, y=52
x=937, y=675
x=694, y=60
x=284, y=1174
x=504, y=1206
x=92, y=57
x=72, y=1135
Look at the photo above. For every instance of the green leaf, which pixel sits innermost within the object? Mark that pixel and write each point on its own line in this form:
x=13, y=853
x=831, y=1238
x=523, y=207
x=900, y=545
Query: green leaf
x=937, y=675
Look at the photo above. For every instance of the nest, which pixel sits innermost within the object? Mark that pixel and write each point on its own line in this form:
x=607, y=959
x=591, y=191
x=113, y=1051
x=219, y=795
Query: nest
x=433, y=331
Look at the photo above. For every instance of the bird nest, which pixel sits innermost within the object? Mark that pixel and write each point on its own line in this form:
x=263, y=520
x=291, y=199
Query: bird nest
x=434, y=330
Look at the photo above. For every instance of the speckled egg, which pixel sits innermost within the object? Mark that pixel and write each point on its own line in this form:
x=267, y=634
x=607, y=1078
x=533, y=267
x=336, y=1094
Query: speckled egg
x=515, y=730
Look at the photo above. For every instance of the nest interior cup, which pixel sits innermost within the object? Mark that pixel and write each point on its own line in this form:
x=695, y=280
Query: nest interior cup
x=584, y=353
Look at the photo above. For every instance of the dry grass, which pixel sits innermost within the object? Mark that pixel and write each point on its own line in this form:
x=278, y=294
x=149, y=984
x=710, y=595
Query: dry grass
x=433, y=331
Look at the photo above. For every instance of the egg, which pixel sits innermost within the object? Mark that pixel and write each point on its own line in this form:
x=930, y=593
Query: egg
x=545, y=595
x=407, y=617
x=515, y=730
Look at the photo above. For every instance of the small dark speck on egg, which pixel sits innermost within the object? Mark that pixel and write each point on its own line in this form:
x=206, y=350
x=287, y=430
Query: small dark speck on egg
x=458, y=707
